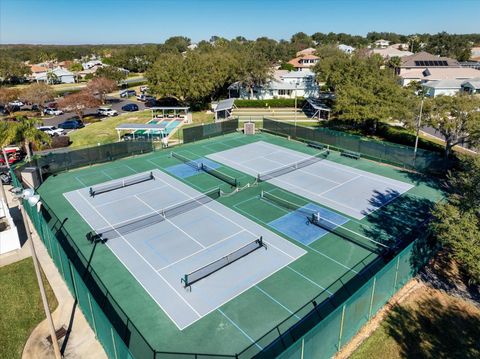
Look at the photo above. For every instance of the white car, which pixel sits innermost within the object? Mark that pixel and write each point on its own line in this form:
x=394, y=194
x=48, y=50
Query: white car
x=16, y=103
x=52, y=111
x=52, y=130
x=143, y=88
x=145, y=98
x=107, y=111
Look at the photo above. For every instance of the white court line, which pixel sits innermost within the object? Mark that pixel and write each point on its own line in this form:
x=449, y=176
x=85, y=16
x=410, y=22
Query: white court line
x=81, y=182
x=240, y=329
x=201, y=250
x=306, y=245
x=106, y=174
x=228, y=219
x=148, y=263
x=311, y=281
x=142, y=192
x=340, y=185
x=276, y=301
x=173, y=224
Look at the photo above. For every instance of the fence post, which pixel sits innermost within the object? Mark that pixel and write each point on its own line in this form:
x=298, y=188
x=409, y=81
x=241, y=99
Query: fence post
x=341, y=328
x=396, y=273
x=93, y=315
x=113, y=342
x=303, y=348
x=371, y=299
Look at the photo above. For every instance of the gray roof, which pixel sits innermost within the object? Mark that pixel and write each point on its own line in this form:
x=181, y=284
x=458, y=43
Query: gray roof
x=140, y=126
x=475, y=83
x=225, y=105
x=447, y=84
x=298, y=74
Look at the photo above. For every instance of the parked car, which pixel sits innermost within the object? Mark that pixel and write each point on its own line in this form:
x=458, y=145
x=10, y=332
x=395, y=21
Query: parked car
x=52, y=130
x=13, y=153
x=130, y=107
x=144, y=97
x=52, y=111
x=16, y=103
x=128, y=93
x=143, y=89
x=107, y=111
x=71, y=124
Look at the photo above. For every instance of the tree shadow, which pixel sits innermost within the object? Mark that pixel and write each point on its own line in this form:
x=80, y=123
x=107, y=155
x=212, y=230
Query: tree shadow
x=435, y=329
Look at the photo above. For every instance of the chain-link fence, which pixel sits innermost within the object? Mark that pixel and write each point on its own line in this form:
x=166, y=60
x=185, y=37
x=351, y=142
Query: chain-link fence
x=318, y=329
x=201, y=132
x=387, y=152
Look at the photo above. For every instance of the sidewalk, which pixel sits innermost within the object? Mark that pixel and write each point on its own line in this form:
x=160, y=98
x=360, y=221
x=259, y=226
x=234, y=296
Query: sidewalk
x=80, y=341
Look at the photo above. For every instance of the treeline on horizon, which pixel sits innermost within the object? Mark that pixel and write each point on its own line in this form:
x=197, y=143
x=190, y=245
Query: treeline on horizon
x=137, y=57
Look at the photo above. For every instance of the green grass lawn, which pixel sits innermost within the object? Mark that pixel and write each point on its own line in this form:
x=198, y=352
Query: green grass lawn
x=104, y=131
x=430, y=324
x=21, y=306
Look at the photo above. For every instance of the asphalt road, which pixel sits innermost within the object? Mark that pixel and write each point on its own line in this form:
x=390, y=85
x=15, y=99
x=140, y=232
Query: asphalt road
x=114, y=103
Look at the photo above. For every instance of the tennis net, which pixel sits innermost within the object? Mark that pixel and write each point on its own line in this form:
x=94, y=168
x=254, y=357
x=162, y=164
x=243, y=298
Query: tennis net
x=150, y=219
x=232, y=181
x=293, y=166
x=205, y=271
x=198, y=165
x=186, y=160
x=121, y=184
x=315, y=218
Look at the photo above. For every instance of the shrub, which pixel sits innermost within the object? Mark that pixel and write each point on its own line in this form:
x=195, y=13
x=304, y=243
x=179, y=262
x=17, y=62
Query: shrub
x=279, y=102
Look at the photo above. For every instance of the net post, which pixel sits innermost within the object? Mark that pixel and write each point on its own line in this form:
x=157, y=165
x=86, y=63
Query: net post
x=92, y=193
x=152, y=177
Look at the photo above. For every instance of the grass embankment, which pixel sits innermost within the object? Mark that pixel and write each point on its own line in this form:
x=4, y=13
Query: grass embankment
x=21, y=306
x=104, y=131
x=429, y=324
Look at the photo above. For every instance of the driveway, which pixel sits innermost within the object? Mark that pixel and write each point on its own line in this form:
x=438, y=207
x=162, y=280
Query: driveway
x=113, y=102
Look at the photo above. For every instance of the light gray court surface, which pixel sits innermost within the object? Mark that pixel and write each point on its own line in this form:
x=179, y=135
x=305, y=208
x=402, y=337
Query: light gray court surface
x=346, y=189
x=159, y=255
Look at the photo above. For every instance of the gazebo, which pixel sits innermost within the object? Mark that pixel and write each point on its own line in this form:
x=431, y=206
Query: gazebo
x=147, y=131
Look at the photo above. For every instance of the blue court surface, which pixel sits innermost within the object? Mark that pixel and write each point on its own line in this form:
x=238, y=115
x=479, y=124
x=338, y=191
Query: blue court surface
x=296, y=225
x=185, y=170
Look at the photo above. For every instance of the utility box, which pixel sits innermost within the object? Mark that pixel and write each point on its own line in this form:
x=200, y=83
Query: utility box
x=31, y=177
x=249, y=128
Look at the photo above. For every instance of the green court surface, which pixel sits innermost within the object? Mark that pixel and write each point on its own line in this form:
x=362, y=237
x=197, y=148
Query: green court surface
x=243, y=320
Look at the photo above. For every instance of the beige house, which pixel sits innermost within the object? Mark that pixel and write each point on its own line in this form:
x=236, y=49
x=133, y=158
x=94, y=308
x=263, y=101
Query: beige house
x=389, y=52
x=423, y=75
x=305, y=62
x=423, y=60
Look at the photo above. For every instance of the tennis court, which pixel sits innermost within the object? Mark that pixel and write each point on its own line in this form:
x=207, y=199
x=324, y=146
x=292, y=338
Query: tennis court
x=351, y=191
x=190, y=253
x=170, y=222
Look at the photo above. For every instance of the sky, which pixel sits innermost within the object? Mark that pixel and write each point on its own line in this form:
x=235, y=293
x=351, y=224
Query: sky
x=154, y=21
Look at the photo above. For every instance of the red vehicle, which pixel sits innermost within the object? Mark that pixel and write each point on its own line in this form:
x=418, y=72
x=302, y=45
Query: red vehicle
x=14, y=154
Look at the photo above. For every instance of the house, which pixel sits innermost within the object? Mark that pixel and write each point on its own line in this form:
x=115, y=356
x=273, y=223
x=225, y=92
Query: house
x=381, y=43
x=306, y=52
x=302, y=63
x=284, y=84
x=192, y=46
x=37, y=69
x=452, y=87
x=57, y=75
x=471, y=86
x=346, y=49
x=92, y=63
x=426, y=74
x=423, y=60
x=475, y=54
x=390, y=51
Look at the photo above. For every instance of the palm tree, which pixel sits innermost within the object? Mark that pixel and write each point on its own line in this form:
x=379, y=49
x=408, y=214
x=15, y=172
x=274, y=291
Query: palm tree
x=23, y=130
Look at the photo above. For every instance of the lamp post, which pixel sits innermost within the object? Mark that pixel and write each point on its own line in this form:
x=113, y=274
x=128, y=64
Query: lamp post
x=418, y=130
x=34, y=200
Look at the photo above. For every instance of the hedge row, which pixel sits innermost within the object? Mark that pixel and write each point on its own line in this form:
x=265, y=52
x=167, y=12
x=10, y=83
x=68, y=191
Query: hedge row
x=279, y=102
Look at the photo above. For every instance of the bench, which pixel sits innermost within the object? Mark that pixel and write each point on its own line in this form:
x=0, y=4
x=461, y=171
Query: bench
x=351, y=154
x=319, y=146
x=59, y=334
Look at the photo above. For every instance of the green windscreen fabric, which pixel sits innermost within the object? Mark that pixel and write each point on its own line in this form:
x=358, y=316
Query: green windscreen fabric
x=201, y=132
x=382, y=151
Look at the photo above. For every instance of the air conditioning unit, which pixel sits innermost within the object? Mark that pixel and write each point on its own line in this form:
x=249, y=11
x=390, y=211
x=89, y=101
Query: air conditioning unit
x=31, y=177
x=249, y=128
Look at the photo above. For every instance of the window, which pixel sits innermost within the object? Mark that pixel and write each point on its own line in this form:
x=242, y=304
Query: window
x=284, y=92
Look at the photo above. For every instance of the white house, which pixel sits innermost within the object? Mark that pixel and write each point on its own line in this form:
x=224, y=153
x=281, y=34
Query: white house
x=92, y=63
x=284, y=84
x=471, y=86
x=381, y=43
x=57, y=75
x=442, y=87
x=346, y=49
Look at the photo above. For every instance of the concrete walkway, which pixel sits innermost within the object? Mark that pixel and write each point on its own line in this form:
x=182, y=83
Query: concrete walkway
x=80, y=341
